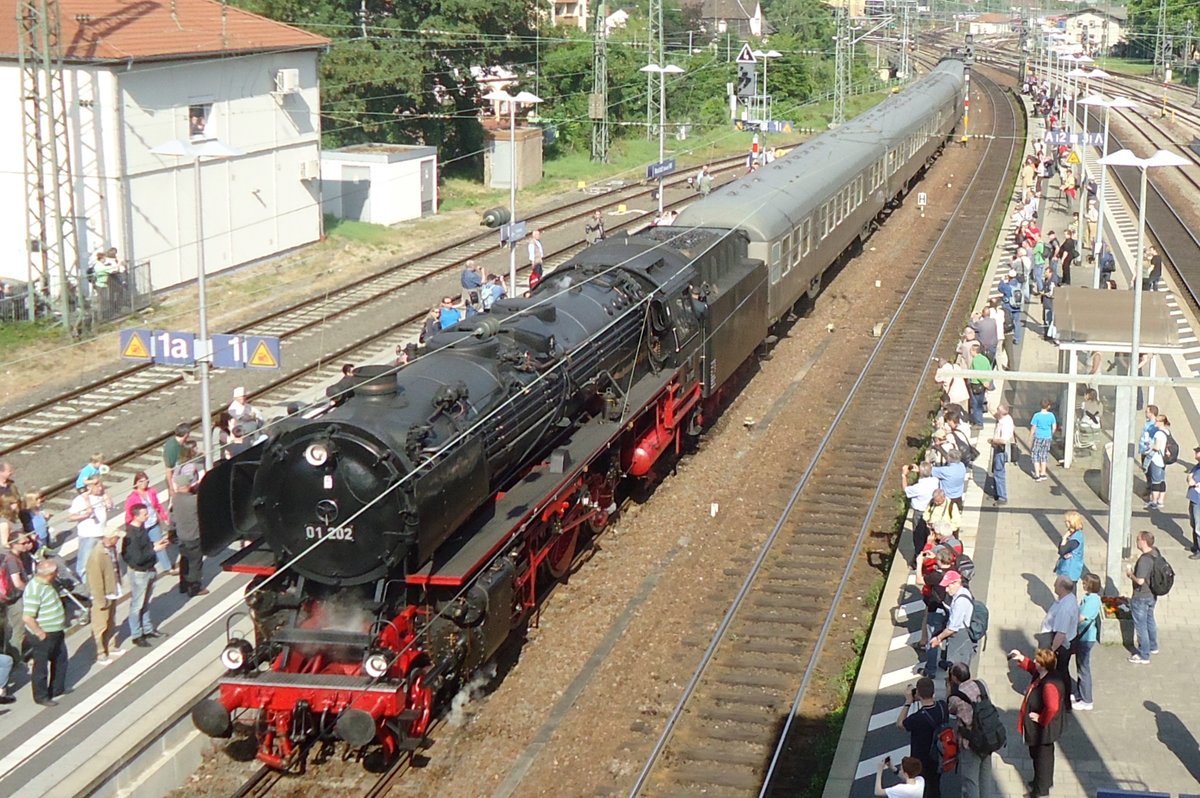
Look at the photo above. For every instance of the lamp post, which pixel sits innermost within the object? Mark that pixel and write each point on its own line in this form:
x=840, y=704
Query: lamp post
x=1119, y=509
x=766, y=56
x=1116, y=102
x=198, y=150
x=662, y=70
x=500, y=95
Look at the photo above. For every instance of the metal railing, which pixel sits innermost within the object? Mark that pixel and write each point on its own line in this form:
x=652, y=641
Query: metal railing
x=106, y=297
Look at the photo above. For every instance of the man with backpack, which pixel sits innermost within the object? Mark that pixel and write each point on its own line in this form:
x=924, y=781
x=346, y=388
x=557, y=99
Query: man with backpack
x=1012, y=291
x=925, y=719
x=956, y=638
x=1152, y=577
x=981, y=731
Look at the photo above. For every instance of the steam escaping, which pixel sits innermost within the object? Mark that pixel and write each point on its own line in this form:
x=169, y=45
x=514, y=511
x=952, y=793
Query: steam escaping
x=472, y=690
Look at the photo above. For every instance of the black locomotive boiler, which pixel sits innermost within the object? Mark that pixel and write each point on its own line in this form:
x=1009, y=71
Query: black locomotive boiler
x=401, y=535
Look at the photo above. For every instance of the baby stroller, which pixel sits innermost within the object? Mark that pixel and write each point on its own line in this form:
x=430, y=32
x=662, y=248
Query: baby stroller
x=76, y=601
x=1087, y=426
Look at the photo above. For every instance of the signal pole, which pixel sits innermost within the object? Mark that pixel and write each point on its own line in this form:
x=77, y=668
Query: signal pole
x=654, y=47
x=598, y=100
x=841, y=77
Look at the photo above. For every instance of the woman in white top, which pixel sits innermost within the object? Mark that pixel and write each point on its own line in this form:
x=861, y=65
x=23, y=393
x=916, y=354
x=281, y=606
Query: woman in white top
x=913, y=785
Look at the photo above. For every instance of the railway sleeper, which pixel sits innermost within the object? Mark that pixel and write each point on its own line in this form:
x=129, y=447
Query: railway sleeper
x=728, y=754
x=704, y=778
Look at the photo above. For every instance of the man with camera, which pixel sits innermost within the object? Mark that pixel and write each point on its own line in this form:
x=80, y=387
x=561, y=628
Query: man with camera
x=921, y=716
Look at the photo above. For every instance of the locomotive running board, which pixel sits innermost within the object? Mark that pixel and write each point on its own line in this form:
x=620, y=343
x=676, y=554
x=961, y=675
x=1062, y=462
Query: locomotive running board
x=255, y=559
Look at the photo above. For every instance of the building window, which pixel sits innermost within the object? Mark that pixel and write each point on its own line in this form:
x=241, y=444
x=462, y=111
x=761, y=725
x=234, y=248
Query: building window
x=198, y=117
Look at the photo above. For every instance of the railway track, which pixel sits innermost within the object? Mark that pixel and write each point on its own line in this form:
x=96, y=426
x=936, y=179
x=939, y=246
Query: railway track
x=736, y=730
x=24, y=429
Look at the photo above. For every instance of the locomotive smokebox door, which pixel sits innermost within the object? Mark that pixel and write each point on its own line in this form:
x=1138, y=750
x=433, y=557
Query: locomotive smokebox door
x=327, y=496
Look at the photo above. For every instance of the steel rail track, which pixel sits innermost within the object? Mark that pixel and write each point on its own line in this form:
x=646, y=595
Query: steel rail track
x=26, y=427
x=726, y=734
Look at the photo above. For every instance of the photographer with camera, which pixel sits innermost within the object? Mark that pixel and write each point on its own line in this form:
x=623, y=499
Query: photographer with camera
x=922, y=716
x=913, y=785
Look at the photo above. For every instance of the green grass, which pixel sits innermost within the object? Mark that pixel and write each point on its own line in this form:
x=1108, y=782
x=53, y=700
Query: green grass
x=15, y=335
x=1127, y=65
x=360, y=232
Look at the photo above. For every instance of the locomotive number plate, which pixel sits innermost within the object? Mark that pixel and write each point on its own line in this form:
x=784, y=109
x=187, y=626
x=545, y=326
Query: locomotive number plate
x=317, y=531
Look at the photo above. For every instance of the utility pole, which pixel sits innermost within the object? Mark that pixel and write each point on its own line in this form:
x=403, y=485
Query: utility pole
x=654, y=47
x=598, y=100
x=841, y=71
x=905, y=61
x=1160, y=42
x=49, y=209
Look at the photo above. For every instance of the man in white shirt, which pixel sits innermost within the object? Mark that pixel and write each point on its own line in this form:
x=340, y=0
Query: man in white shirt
x=89, y=511
x=536, y=255
x=1002, y=438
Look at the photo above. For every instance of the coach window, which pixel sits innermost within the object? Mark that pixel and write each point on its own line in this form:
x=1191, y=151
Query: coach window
x=824, y=220
x=806, y=236
x=199, y=115
x=838, y=204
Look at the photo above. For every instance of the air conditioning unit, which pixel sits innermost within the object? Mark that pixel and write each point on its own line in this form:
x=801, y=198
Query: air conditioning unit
x=310, y=169
x=287, y=81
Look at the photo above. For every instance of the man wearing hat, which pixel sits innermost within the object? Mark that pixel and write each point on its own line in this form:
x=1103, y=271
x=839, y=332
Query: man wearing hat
x=1013, y=294
x=140, y=554
x=104, y=582
x=187, y=528
x=954, y=638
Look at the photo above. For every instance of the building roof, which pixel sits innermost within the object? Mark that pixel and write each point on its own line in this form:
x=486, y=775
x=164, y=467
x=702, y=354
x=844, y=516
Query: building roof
x=725, y=9
x=994, y=19
x=123, y=30
x=1118, y=13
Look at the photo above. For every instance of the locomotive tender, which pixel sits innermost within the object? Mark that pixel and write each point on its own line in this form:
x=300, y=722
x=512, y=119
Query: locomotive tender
x=400, y=536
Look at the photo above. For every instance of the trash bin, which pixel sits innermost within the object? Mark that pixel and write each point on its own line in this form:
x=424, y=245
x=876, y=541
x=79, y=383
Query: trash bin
x=1106, y=472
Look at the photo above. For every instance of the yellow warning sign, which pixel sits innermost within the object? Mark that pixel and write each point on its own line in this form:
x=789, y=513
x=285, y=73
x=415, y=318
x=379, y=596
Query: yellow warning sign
x=136, y=347
x=1073, y=158
x=263, y=358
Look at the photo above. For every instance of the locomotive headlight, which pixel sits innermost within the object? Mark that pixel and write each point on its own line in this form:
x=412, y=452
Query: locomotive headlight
x=377, y=664
x=316, y=455
x=236, y=654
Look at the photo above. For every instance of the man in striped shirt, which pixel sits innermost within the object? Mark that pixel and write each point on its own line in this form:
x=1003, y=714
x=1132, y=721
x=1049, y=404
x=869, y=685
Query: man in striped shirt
x=46, y=620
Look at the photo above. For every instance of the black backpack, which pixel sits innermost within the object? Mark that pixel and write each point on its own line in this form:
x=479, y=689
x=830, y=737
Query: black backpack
x=1171, y=453
x=986, y=734
x=966, y=450
x=1162, y=576
x=978, y=626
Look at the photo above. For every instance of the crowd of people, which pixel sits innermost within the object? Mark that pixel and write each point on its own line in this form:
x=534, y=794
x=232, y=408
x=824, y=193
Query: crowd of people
x=124, y=545
x=962, y=731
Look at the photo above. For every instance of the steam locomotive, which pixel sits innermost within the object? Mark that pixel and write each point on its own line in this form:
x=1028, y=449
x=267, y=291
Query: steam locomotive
x=399, y=537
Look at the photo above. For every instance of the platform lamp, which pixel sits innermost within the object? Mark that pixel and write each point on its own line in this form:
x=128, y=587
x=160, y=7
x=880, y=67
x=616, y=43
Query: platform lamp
x=662, y=71
x=500, y=95
x=1081, y=62
x=197, y=150
x=1107, y=105
x=1125, y=409
x=766, y=56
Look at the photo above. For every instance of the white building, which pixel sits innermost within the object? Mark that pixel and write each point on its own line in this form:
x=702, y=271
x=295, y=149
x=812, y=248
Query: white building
x=990, y=24
x=139, y=75
x=1098, y=30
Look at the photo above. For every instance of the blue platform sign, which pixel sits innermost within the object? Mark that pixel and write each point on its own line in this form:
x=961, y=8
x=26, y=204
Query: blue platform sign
x=660, y=169
x=169, y=348
x=245, y=351
x=512, y=232
x=135, y=345
x=1058, y=137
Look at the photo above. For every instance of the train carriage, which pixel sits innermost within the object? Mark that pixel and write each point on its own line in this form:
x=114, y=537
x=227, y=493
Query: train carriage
x=804, y=210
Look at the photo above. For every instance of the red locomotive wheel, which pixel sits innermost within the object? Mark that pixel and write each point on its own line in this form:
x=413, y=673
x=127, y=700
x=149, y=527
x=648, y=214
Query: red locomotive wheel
x=562, y=553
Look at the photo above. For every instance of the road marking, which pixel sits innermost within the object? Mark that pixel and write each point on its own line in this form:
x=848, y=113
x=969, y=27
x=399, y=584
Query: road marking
x=904, y=641
x=867, y=767
x=893, y=678
x=886, y=718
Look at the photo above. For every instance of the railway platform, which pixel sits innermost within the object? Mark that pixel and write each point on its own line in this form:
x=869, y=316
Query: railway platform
x=1139, y=736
